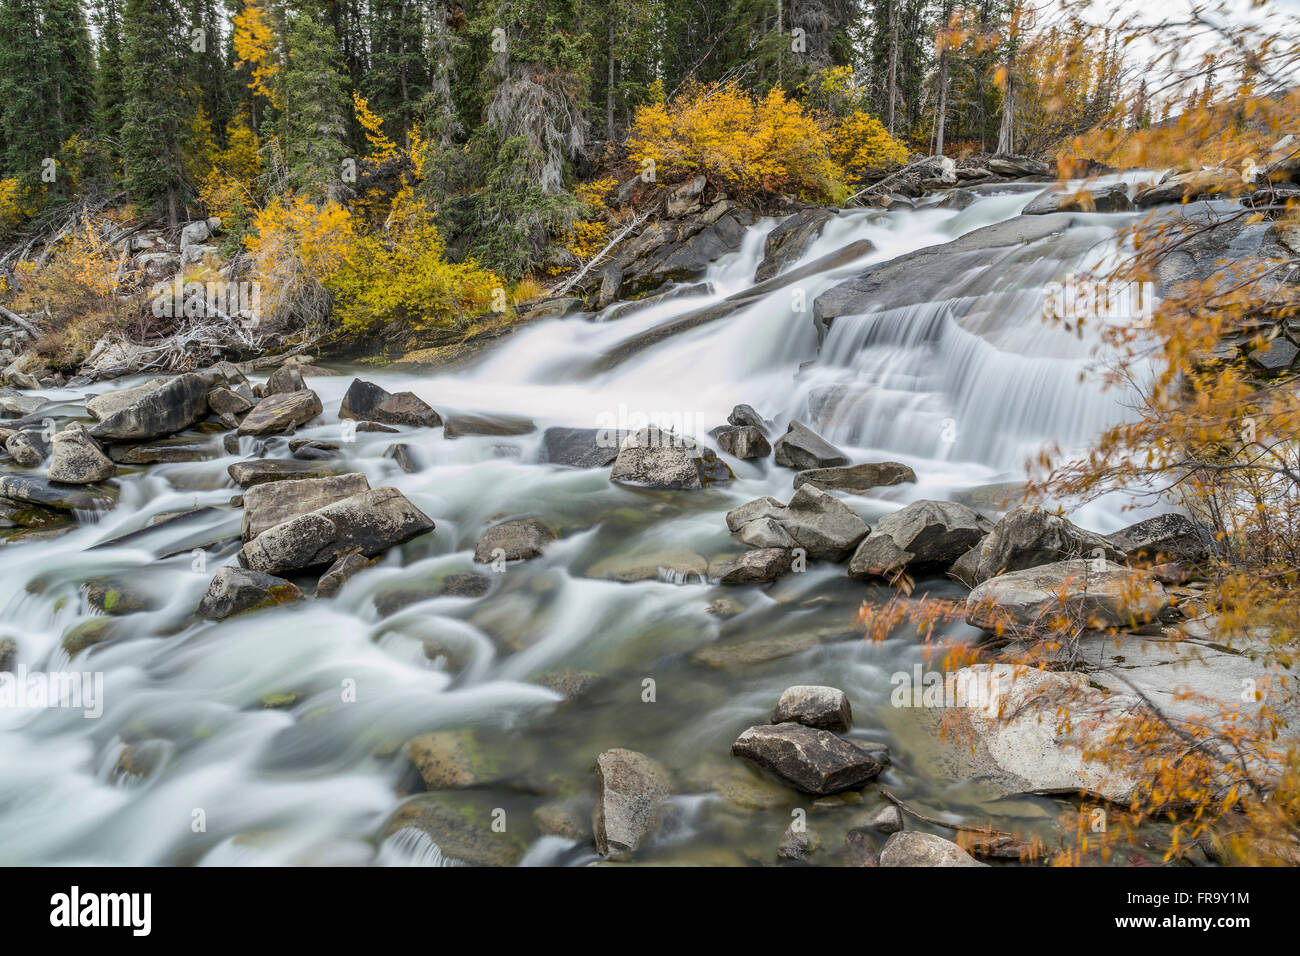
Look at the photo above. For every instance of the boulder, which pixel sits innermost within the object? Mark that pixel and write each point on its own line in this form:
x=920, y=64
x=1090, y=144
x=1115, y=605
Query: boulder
x=401, y=453
x=856, y=479
x=1189, y=186
x=1027, y=536
x=338, y=574
x=924, y=535
x=1112, y=198
x=365, y=401
x=369, y=522
x=228, y=405
x=802, y=449
x=246, y=474
x=1164, y=538
x=760, y=566
x=798, y=843
x=488, y=425
x=15, y=404
x=285, y=379
x=312, y=449
x=276, y=414
x=462, y=833
x=743, y=441
x=1010, y=734
x=516, y=540
x=924, y=849
x=151, y=411
x=236, y=590
x=631, y=790
x=269, y=503
x=745, y=415
x=1008, y=165
x=32, y=490
x=1099, y=593
x=808, y=759
x=815, y=520
x=195, y=233
x=78, y=459
x=655, y=458
x=27, y=447
x=685, y=198
x=791, y=238
x=826, y=708
x=582, y=447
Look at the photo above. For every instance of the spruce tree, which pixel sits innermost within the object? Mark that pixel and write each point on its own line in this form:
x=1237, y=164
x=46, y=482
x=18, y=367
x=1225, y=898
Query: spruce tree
x=155, y=114
x=28, y=124
x=315, y=124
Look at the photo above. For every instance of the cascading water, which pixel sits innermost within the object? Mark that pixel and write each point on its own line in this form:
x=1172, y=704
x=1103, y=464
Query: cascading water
x=276, y=737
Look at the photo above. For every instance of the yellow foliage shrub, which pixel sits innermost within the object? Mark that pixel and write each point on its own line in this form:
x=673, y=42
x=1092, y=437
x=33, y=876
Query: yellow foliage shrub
x=403, y=279
x=297, y=247
x=228, y=188
x=586, y=237
x=860, y=142
x=747, y=145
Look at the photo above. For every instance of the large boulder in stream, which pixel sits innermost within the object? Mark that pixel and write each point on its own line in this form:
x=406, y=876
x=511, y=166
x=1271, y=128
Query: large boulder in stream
x=790, y=240
x=582, y=447
x=366, y=401
x=1167, y=537
x=280, y=413
x=857, y=479
x=1028, y=536
x=802, y=448
x=32, y=490
x=826, y=708
x=268, y=504
x=236, y=590
x=926, y=535
x=814, y=520
x=368, y=523
x=743, y=441
x=631, y=791
x=151, y=411
x=656, y=458
x=78, y=459
x=1112, y=198
x=807, y=758
x=1098, y=594
x=28, y=447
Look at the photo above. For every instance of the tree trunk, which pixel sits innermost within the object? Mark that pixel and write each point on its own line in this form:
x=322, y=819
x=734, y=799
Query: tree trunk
x=943, y=103
x=1006, y=133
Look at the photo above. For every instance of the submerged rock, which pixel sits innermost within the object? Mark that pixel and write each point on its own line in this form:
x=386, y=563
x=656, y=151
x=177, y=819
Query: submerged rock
x=856, y=479
x=582, y=447
x=347, y=566
x=810, y=760
x=460, y=831
x=32, y=490
x=631, y=790
x=516, y=540
x=236, y=590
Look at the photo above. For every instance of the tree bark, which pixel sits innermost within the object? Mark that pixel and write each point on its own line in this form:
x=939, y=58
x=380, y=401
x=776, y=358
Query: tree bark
x=893, y=63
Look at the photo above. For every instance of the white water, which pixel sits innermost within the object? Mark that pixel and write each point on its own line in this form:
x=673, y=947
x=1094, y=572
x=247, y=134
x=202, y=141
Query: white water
x=961, y=389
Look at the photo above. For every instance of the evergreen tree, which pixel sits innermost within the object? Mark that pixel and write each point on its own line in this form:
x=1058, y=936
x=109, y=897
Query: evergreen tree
x=28, y=125
x=155, y=112
x=110, y=91
x=316, y=114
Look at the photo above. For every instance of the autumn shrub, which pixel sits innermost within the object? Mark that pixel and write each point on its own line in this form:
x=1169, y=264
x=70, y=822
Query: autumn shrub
x=229, y=189
x=747, y=145
x=860, y=142
x=586, y=237
x=76, y=289
x=401, y=280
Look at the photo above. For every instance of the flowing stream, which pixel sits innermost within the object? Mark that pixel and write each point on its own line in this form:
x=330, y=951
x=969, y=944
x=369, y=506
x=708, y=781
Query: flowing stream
x=275, y=738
